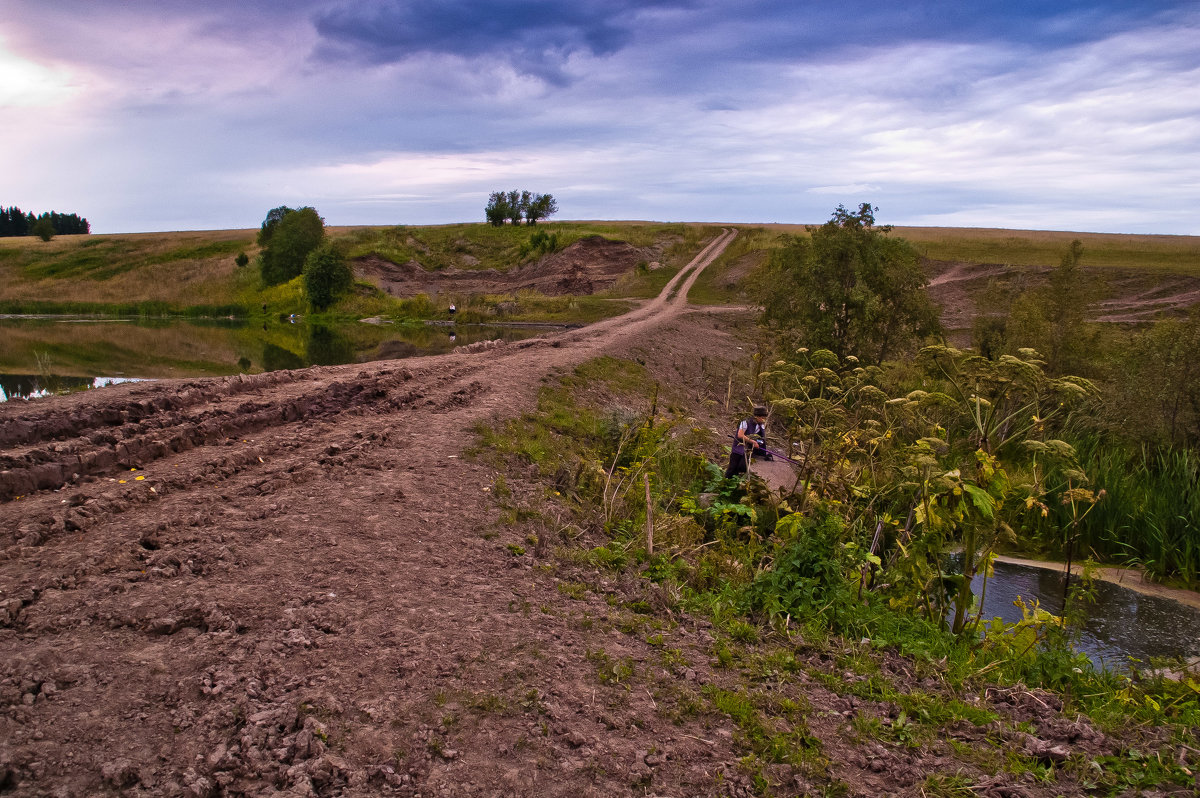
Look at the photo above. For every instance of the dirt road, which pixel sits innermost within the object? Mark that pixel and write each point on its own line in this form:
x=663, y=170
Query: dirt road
x=278, y=582
x=293, y=584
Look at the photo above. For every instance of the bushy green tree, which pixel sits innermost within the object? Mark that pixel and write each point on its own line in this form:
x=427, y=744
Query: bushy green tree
x=513, y=206
x=43, y=228
x=541, y=206
x=287, y=237
x=497, y=210
x=327, y=276
x=274, y=216
x=849, y=288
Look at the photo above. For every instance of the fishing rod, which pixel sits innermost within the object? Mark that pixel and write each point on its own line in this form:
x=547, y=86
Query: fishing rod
x=772, y=452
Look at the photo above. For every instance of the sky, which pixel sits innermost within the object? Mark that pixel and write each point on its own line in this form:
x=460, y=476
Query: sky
x=152, y=115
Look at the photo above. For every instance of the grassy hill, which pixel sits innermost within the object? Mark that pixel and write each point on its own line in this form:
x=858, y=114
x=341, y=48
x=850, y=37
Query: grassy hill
x=194, y=273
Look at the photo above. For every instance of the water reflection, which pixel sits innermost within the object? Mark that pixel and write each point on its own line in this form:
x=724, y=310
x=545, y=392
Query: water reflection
x=32, y=386
x=1121, y=624
x=54, y=354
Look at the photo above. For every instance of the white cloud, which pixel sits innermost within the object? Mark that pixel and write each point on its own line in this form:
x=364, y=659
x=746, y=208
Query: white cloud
x=156, y=118
x=28, y=84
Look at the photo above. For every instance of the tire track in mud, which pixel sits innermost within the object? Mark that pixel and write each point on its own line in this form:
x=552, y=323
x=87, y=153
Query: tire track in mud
x=181, y=443
x=167, y=633
x=310, y=593
x=45, y=448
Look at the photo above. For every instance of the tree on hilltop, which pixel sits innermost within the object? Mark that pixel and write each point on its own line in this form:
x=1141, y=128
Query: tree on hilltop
x=513, y=206
x=849, y=288
x=541, y=206
x=497, y=210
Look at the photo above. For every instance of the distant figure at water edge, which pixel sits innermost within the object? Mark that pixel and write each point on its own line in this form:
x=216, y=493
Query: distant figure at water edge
x=751, y=432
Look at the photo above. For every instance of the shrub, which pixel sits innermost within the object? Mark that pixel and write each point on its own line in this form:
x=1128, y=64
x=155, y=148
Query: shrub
x=326, y=276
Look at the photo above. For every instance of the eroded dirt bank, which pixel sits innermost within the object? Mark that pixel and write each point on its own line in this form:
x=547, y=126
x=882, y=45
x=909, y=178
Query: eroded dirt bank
x=304, y=589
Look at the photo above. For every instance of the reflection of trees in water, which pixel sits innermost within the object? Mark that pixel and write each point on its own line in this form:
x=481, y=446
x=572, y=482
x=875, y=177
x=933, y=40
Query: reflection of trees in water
x=22, y=386
x=323, y=346
x=276, y=358
x=327, y=347
x=330, y=345
x=392, y=350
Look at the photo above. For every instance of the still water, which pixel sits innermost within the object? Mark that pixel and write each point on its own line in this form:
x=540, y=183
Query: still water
x=52, y=354
x=1121, y=624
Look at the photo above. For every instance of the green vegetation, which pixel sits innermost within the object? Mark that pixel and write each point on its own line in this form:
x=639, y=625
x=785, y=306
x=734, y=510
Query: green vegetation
x=197, y=273
x=513, y=206
x=287, y=236
x=327, y=276
x=200, y=274
x=797, y=591
x=848, y=287
x=1157, y=253
x=43, y=229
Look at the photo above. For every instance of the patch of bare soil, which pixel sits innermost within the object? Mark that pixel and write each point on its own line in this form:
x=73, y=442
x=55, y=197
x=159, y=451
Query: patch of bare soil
x=295, y=584
x=1130, y=296
x=588, y=265
x=1134, y=299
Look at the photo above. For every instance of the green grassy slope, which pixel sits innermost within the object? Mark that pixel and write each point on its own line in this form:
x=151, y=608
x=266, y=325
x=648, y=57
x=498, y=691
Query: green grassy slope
x=195, y=271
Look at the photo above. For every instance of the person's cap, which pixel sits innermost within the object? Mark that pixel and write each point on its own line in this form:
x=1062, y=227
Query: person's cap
x=760, y=412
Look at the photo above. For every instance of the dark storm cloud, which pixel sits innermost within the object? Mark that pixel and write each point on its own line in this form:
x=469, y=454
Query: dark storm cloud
x=535, y=36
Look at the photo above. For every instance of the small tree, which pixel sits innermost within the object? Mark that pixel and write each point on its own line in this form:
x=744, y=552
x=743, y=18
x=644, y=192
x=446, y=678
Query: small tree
x=43, y=228
x=849, y=288
x=541, y=206
x=514, y=206
x=497, y=210
x=289, y=236
x=242, y=259
x=326, y=276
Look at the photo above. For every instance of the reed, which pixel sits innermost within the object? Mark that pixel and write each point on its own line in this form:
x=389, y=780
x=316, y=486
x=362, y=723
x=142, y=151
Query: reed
x=1150, y=513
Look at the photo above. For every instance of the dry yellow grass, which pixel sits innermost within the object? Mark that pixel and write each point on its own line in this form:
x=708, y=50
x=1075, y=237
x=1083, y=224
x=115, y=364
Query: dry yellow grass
x=1166, y=253
x=180, y=268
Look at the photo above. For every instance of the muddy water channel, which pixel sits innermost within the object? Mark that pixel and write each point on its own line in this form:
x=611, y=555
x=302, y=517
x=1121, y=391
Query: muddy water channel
x=1121, y=624
x=59, y=353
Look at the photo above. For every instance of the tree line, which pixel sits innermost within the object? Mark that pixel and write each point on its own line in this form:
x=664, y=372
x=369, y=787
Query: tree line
x=513, y=206
x=15, y=222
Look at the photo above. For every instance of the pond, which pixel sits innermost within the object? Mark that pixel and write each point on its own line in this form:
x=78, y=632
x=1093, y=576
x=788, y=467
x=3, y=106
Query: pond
x=58, y=353
x=1121, y=624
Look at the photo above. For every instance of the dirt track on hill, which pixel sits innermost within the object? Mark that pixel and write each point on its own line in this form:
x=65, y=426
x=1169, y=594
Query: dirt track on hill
x=293, y=584
x=278, y=582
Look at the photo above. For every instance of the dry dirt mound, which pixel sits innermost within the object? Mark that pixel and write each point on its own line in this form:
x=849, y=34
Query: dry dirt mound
x=588, y=265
